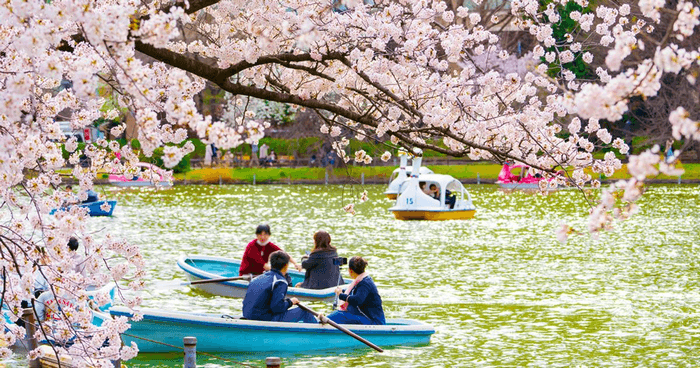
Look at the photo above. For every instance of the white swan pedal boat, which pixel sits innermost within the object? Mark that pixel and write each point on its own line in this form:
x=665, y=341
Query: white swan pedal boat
x=414, y=204
x=401, y=175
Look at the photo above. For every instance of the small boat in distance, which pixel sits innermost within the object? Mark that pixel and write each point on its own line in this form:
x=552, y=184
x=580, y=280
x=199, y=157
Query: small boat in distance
x=454, y=202
x=156, y=174
x=520, y=177
x=401, y=174
x=224, y=333
x=97, y=208
x=208, y=267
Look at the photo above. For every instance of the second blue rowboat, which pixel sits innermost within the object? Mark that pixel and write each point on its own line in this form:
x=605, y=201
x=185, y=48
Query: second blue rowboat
x=94, y=208
x=208, y=267
x=224, y=333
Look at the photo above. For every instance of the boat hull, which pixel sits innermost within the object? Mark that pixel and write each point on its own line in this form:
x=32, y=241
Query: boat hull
x=207, y=267
x=434, y=215
x=222, y=333
x=94, y=208
x=391, y=196
x=524, y=186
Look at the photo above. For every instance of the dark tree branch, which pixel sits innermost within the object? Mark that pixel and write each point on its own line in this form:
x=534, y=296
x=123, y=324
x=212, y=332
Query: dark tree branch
x=279, y=59
x=195, y=5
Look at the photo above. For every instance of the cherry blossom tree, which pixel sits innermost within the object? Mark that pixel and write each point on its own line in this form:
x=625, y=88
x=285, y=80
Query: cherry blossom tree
x=413, y=72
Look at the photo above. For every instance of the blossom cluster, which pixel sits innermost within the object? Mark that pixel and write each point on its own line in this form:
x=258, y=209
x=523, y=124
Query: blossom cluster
x=404, y=72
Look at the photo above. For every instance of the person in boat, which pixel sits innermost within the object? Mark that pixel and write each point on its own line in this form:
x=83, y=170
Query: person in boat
x=434, y=191
x=79, y=262
x=257, y=252
x=265, y=299
x=72, y=198
x=323, y=266
x=425, y=190
x=362, y=303
x=49, y=308
x=450, y=198
x=92, y=196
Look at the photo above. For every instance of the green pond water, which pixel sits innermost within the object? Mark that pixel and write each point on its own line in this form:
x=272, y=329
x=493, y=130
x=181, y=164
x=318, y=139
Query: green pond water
x=499, y=289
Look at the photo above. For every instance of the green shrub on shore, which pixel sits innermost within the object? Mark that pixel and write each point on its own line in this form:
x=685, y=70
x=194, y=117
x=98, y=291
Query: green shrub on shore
x=488, y=172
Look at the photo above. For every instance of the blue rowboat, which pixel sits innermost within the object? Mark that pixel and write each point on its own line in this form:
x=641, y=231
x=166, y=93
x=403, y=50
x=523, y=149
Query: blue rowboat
x=207, y=268
x=224, y=333
x=93, y=208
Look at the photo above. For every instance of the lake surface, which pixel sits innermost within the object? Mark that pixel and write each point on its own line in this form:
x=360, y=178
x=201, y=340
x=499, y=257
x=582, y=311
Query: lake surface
x=499, y=289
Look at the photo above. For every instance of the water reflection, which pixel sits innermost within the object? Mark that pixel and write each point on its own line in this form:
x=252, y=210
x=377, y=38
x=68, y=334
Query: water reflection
x=499, y=289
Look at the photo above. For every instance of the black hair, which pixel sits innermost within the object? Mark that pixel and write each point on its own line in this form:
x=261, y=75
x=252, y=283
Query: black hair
x=73, y=243
x=263, y=228
x=278, y=260
x=69, y=187
x=357, y=264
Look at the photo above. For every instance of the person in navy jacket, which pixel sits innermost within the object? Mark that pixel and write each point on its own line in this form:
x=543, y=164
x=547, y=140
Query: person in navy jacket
x=363, y=305
x=265, y=299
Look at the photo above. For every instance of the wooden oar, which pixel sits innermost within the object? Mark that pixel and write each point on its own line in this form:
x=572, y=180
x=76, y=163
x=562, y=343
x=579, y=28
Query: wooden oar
x=175, y=284
x=325, y=319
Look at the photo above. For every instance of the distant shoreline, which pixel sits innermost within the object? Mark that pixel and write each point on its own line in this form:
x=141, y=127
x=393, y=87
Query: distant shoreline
x=478, y=173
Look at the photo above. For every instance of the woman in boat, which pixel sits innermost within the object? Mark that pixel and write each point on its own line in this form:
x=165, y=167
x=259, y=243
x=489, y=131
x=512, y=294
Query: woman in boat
x=362, y=303
x=322, y=268
x=257, y=253
x=424, y=188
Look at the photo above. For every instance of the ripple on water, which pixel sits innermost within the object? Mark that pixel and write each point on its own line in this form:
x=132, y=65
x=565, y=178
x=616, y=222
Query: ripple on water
x=499, y=289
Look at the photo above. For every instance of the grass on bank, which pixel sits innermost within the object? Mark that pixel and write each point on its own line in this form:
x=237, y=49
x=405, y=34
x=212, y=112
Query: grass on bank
x=484, y=171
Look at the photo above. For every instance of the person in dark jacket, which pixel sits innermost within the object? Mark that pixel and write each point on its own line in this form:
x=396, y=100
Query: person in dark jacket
x=322, y=270
x=265, y=299
x=363, y=305
x=92, y=196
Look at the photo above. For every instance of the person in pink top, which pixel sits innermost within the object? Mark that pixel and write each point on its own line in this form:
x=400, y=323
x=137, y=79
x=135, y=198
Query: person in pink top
x=257, y=253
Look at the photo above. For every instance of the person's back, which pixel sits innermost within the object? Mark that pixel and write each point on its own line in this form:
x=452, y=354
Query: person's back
x=48, y=307
x=92, y=196
x=265, y=299
x=321, y=270
x=79, y=261
x=371, y=302
x=265, y=296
